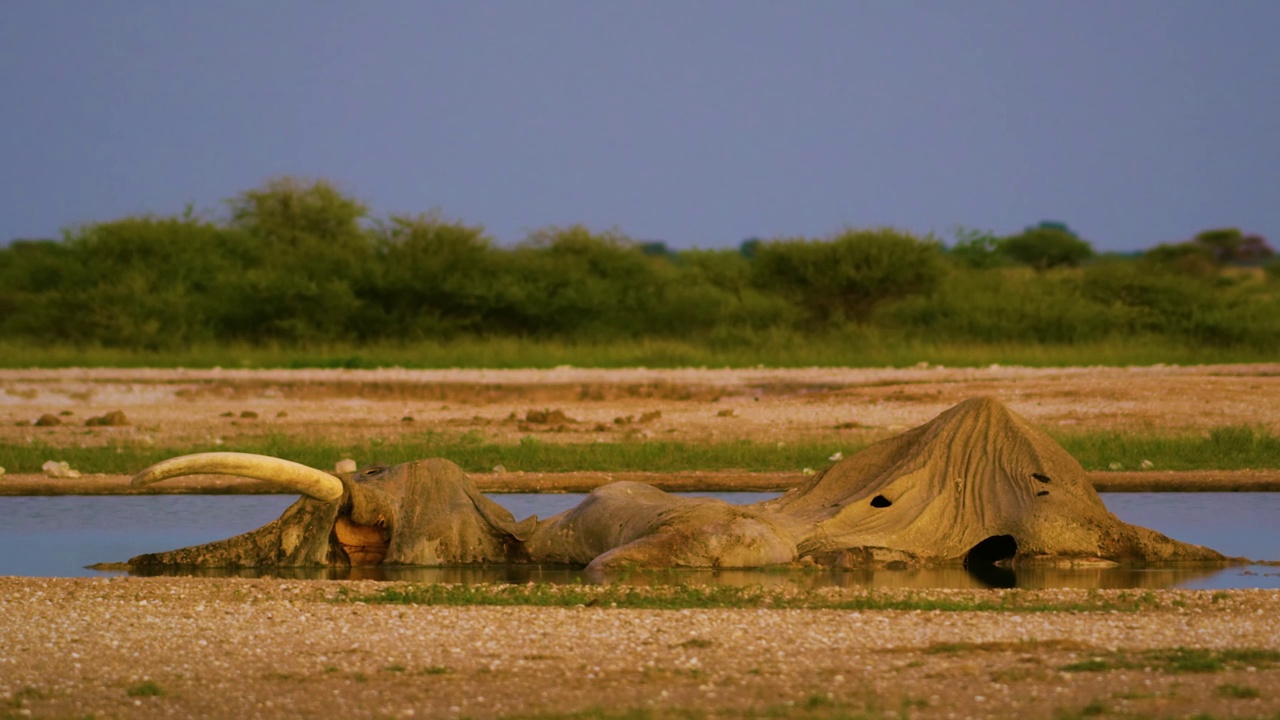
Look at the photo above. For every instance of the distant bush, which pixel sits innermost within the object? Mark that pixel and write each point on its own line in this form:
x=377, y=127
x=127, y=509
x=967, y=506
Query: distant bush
x=1230, y=245
x=845, y=277
x=1045, y=247
x=977, y=249
x=434, y=278
x=1185, y=258
x=301, y=258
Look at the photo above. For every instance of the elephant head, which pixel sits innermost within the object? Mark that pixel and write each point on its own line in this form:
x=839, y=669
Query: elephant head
x=419, y=513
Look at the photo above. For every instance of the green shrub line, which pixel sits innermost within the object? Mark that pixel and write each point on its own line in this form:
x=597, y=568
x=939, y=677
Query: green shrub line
x=298, y=273
x=1224, y=448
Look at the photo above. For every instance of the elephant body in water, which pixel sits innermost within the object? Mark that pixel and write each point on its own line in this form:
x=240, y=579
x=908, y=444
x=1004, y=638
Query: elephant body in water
x=978, y=485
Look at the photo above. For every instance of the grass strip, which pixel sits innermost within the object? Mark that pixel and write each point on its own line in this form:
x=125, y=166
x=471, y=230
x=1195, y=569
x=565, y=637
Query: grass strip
x=528, y=456
x=1179, y=660
x=670, y=596
x=1226, y=448
x=864, y=347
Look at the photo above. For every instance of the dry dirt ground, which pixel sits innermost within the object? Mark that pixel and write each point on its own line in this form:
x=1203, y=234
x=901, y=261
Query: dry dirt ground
x=138, y=647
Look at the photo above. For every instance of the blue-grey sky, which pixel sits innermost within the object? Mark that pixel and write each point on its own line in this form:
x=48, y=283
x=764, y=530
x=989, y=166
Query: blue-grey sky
x=695, y=122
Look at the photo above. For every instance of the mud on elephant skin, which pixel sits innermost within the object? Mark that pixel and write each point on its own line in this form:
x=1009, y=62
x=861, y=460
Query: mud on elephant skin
x=978, y=485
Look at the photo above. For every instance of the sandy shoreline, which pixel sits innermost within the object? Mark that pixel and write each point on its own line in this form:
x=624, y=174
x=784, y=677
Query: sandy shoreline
x=277, y=649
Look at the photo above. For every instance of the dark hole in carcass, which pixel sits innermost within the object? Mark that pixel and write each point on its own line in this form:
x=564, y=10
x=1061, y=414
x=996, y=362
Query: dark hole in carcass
x=1041, y=477
x=991, y=551
x=880, y=501
x=981, y=561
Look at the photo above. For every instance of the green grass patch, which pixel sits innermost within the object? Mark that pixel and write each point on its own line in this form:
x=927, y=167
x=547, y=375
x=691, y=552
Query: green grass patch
x=1223, y=448
x=1239, y=692
x=671, y=596
x=145, y=689
x=816, y=706
x=529, y=455
x=854, y=347
x=1179, y=660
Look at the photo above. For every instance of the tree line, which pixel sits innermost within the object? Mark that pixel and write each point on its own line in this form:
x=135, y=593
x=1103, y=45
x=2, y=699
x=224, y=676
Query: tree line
x=298, y=262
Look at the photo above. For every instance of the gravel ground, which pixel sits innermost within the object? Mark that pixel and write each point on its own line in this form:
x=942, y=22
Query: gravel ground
x=188, y=647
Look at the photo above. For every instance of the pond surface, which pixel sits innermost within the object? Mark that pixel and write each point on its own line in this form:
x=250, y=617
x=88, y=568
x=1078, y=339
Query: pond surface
x=59, y=536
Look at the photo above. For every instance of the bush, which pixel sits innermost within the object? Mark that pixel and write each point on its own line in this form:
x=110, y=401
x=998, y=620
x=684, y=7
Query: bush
x=302, y=262
x=1003, y=305
x=845, y=277
x=976, y=249
x=1045, y=247
x=435, y=278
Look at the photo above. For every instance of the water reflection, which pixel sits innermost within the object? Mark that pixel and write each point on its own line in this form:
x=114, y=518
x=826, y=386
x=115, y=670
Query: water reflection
x=917, y=578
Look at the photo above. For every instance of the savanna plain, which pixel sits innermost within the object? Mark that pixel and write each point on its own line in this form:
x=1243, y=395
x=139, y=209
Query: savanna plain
x=205, y=647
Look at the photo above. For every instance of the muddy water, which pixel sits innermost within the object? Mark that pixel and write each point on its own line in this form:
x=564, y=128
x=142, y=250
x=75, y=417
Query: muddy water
x=59, y=536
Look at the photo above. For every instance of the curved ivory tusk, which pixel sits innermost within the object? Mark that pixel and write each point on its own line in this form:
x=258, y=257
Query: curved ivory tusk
x=286, y=473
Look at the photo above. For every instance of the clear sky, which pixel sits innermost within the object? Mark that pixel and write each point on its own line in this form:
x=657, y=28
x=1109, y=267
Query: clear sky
x=695, y=122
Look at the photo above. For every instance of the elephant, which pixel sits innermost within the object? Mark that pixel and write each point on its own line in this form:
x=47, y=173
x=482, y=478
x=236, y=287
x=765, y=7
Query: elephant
x=978, y=485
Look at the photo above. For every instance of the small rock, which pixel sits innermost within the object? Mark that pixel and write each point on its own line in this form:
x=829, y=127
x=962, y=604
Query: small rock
x=1115, y=466
x=57, y=469
x=115, y=418
x=837, y=457
x=249, y=415
x=48, y=420
x=725, y=413
x=1, y=471
x=1147, y=464
x=499, y=469
x=345, y=465
x=228, y=414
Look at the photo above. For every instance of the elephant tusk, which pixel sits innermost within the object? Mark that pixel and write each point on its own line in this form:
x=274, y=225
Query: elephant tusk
x=285, y=473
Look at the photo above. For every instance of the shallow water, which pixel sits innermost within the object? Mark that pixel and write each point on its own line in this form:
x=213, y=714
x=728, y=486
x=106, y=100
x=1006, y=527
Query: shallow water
x=59, y=536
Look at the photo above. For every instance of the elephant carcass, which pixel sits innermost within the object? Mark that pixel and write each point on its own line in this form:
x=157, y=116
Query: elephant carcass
x=978, y=484
x=419, y=513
